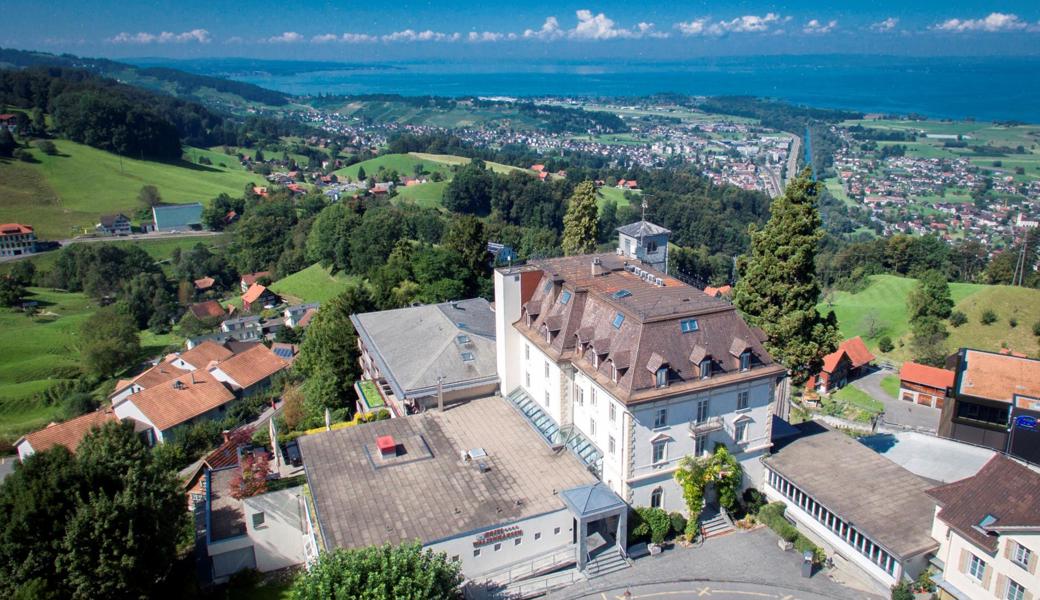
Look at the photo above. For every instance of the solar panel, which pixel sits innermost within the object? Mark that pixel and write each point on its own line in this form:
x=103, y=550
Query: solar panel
x=283, y=352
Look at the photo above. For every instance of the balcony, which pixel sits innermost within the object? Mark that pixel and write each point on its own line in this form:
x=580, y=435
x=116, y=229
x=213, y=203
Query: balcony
x=699, y=428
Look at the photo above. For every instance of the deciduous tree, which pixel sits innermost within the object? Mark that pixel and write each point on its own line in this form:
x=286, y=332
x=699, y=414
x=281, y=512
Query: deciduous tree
x=110, y=341
x=580, y=227
x=388, y=572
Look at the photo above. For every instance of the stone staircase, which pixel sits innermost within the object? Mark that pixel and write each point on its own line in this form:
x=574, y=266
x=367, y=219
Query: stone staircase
x=716, y=525
x=606, y=563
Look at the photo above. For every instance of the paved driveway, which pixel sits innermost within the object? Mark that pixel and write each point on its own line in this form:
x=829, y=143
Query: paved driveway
x=740, y=565
x=899, y=412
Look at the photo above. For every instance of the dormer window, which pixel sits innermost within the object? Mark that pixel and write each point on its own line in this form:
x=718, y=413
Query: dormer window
x=745, y=360
x=595, y=359
x=705, y=368
x=662, y=377
x=548, y=336
x=613, y=372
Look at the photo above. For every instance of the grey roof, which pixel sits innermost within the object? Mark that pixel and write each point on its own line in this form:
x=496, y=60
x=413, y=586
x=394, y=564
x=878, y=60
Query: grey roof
x=642, y=228
x=414, y=346
x=427, y=491
x=882, y=500
x=591, y=500
x=177, y=215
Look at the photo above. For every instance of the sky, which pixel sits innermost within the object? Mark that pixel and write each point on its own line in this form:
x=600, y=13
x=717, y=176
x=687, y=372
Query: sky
x=381, y=30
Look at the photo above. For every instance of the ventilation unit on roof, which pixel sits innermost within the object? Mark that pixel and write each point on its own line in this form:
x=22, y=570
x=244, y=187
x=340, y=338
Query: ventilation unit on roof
x=659, y=281
x=467, y=357
x=462, y=339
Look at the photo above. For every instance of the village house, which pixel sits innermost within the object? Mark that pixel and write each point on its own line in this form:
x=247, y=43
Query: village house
x=841, y=366
x=988, y=530
x=204, y=284
x=994, y=402
x=922, y=384
x=249, y=372
x=258, y=296
x=17, y=239
x=300, y=315
x=245, y=328
x=455, y=360
x=118, y=224
x=248, y=279
x=201, y=356
x=159, y=373
x=725, y=291
x=68, y=434
x=163, y=408
x=210, y=309
x=633, y=370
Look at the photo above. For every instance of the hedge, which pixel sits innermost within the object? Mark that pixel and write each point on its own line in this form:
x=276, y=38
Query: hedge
x=772, y=515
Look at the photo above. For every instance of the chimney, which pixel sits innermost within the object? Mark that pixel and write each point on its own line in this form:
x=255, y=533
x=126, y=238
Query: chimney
x=227, y=435
x=596, y=270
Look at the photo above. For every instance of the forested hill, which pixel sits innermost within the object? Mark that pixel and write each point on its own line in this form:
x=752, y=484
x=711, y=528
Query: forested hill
x=171, y=81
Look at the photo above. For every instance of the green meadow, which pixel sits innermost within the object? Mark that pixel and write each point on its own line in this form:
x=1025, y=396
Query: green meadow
x=64, y=195
x=313, y=284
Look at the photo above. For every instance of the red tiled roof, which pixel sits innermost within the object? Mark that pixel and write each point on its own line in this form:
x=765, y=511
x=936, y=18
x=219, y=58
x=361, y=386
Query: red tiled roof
x=857, y=351
x=68, y=434
x=715, y=292
x=14, y=228
x=207, y=309
x=926, y=375
x=308, y=315
x=254, y=293
x=182, y=399
x=252, y=366
x=250, y=278
x=160, y=373
x=206, y=352
x=205, y=283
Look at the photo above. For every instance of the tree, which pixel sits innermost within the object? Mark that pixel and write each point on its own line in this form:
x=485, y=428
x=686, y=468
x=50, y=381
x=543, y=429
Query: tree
x=928, y=341
x=251, y=478
x=47, y=147
x=579, y=224
x=104, y=523
x=467, y=239
x=11, y=291
x=361, y=175
x=469, y=192
x=930, y=297
x=149, y=196
x=110, y=341
x=7, y=142
x=292, y=407
x=406, y=571
x=778, y=289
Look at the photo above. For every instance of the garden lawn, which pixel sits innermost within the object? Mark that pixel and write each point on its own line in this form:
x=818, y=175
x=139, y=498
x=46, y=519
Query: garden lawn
x=860, y=399
x=65, y=194
x=313, y=284
x=890, y=383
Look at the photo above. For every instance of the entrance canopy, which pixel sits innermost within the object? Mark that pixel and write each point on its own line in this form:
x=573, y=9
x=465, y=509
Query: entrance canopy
x=593, y=501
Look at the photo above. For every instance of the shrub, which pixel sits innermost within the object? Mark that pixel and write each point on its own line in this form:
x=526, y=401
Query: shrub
x=902, y=591
x=754, y=500
x=958, y=318
x=653, y=522
x=678, y=522
x=47, y=147
x=23, y=155
x=988, y=317
x=885, y=344
x=773, y=516
x=1036, y=329
x=1013, y=322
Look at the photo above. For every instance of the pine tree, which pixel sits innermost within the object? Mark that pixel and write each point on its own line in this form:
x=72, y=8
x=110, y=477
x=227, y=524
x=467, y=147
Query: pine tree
x=579, y=224
x=778, y=290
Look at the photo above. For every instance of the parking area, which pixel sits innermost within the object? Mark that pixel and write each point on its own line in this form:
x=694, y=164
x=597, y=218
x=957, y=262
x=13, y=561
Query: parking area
x=739, y=565
x=898, y=412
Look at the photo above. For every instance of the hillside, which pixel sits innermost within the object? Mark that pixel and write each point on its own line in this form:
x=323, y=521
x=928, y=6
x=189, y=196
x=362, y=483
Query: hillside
x=313, y=284
x=65, y=194
x=884, y=302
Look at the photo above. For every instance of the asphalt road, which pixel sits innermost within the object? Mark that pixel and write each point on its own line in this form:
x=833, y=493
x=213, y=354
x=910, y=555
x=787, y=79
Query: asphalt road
x=709, y=590
x=899, y=412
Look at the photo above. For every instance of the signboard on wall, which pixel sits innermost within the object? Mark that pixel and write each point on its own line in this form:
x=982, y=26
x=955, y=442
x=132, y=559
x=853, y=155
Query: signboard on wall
x=497, y=535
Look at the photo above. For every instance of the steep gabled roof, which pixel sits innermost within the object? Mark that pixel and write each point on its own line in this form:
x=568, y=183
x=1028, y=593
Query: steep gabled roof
x=857, y=351
x=252, y=366
x=254, y=293
x=200, y=356
x=68, y=434
x=926, y=375
x=182, y=399
x=642, y=228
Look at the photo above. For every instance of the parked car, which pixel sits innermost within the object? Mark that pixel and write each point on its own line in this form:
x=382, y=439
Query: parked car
x=292, y=453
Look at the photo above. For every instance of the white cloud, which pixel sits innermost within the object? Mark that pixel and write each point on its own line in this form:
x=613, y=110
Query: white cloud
x=485, y=36
x=743, y=24
x=289, y=37
x=358, y=38
x=550, y=30
x=992, y=23
x=410, y=35
x=816, y=26
x=887, y=25
x=601, y=27
x=200, y=36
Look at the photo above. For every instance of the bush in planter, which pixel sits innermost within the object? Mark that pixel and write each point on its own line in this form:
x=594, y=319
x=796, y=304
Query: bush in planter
x=902, y=591
x=678, y=523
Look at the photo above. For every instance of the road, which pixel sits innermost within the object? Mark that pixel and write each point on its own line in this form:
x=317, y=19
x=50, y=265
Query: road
x=792, y=158
x=140, y=237
x=709, y=590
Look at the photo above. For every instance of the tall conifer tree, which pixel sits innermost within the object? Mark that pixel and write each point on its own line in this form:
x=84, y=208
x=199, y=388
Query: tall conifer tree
x=778, y=290
x=579, y=224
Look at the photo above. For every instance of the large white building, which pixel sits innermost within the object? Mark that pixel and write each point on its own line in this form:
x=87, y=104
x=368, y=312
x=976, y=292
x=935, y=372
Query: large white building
x=633, y=370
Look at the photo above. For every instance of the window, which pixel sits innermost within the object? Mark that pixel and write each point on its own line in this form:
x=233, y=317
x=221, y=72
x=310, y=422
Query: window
x=612, y=412
x=698, y=445
x=986, y=414
x=659, y=452
x=546, y=369
x=1020, y=554
x=661, y=418
x=613, y=372
x=565, y=297
x=516, y=541
x=547, y=286
x=527, y=351
x=621, y=294
x=651, y=247
x=656, y=498
x=579, y=395
x=1015, y=591
x=537, y=535
x=702, y=411
x=976, y=567
x=476, y=552
x=547, y=398
x=258, y=519
x=742, y=400
x=467, y=357
x=689, y=325
x=706, y=368
x=498, y=546
x=556, y=531
x=618, y=320
x=455, y=558
x=594, y=396
x=662, y=377
x=740, y=431
x=610, y=444
x=745, y=361
x=592, y=426
x=527, y=379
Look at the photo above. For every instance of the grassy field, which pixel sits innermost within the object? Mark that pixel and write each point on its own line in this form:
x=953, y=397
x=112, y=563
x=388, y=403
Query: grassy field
x=608, y=192
x=161, y=249
x=884, y=301
x=313, y=284
x=426, y=195
x=890, y=383
x=404, y=164
x=452, y=160
x=65, y=194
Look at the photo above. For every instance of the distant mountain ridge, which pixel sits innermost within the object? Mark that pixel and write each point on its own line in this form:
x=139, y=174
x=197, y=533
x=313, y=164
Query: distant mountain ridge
x=181, y=84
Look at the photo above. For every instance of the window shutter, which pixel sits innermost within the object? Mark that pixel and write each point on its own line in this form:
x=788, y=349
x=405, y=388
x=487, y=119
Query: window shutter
x=987, y=575
x=1001, y=584
x=1008, y=548
x=1027, y=596
x=1032, y=563
x=963, y=567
